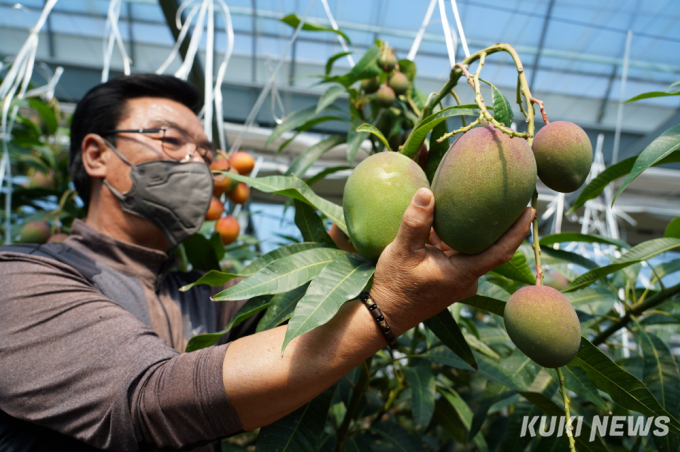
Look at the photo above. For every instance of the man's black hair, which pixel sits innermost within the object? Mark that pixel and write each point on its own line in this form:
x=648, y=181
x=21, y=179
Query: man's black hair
x=103, y=107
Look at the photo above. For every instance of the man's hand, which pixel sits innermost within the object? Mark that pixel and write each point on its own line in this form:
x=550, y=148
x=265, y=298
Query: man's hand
x=418, y=275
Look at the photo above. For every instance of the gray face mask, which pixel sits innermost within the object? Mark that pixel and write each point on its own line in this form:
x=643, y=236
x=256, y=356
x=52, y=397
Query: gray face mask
x=172, y=195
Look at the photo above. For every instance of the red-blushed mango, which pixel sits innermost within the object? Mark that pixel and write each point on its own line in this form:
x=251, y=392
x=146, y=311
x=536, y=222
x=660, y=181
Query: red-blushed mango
x=481, y=187
x=215, y=210
x=34, y=232
x=376, y=196
x=240, y=194
x=543, y=324
x=242, y=162
x=563, y=156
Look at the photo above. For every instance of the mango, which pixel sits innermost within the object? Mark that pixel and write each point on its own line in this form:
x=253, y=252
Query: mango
x=34, y=232
x=228, y=228
x=543, y=324
x=481, y=187
x=563, y=156
x=376, y=196
x=385, y=97
x=399, y=83
x=370, y=85
x=387, y=60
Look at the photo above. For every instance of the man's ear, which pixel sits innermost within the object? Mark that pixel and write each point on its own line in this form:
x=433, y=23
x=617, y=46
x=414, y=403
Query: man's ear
x=95, y=155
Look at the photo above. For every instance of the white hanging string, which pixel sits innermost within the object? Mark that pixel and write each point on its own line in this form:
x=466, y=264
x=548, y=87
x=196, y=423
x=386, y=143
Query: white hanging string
x=267, y=87
x=447, y=34
x=419, y=36
x=276, y=98
x=459, y=24
x=203, y=11
x=114, y=37
x=334, y=24
x=15, y=85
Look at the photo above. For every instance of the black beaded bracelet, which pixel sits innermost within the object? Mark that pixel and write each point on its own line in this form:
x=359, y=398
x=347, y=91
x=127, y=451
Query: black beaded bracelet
x=377, y=314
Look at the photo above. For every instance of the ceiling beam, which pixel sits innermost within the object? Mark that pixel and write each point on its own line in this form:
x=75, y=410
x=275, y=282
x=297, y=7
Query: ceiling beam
x=541, y=43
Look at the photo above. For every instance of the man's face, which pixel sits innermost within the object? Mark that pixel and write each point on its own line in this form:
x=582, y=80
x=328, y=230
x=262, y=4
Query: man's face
x=146, y=113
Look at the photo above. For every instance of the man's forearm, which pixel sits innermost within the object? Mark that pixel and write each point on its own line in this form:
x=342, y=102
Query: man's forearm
x=262, y=386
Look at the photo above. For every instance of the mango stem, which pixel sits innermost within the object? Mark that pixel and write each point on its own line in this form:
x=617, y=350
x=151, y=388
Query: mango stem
x=565, y=399
x=536, y=245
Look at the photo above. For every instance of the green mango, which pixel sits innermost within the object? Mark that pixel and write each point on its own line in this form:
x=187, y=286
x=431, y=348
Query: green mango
x=543, y=324
x=376, y=196
x=481, y=187
x=34, y=232
x=563, y=156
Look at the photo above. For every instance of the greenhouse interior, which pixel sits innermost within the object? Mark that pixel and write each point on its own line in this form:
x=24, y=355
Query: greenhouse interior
x=306, y=96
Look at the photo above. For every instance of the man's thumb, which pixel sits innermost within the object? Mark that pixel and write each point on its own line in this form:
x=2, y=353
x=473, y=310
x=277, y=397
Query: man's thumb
x=417, y=221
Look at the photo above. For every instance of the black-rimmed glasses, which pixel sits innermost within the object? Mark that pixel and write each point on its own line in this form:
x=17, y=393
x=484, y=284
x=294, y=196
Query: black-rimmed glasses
x=174, y=142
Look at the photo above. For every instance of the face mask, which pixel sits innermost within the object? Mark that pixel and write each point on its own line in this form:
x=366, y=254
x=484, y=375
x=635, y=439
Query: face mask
x=172, y=195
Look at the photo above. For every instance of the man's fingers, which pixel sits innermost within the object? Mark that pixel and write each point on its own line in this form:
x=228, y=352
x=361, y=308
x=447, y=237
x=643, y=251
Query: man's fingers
x=503, y=250
x=416, y=222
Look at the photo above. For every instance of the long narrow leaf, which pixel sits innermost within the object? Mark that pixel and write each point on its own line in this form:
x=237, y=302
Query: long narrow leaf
x=622, y=387
x=297, y=189
x=421, y=381
x=302, y=162
x=310, y=224
x=517, y=269
x=429, y=123
x=667, y=143
x=639, y=253
x=328, y=97
x=566, y=237
x=339, y=281
x=444, y=326
x=486, y=303
x=375, y=131
x=278, y=253
x=294, y=21
x=568, y=256
x=212, y=278
x=502, y=111
x=281, y=308
x=282, y=275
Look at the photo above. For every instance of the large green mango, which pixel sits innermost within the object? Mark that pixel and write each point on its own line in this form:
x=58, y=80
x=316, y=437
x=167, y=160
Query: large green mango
x=481, y=187
x=376, y=196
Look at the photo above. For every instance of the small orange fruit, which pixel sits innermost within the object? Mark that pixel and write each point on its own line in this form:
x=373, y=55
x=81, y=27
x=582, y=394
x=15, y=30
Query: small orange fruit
x=228, y=228
x=242, y=161
x=215, y=210
x=240, y=195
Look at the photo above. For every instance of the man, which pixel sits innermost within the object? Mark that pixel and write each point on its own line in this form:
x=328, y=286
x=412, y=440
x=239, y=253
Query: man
x=91, y=331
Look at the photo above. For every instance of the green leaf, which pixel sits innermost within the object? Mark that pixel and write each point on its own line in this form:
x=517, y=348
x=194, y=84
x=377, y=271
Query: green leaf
x=516, y=269
x=568, y=256
x=354, y=139
x=398, y=437
x=201, y=253
x=408, y=68
x=294, y=21
x=660, y=372
x=673, y=228
x=281, y=308
x=622, y=387
x=486, y=303
x=512, y=441
x=339, y=281
x=300, y=431
x=566, y=237
x=310, y=225
x=595, y=186
x=421, y=381
x=333, y=59
x=444, y=326
x=657, y=150
x=576, y=380
x=437, y=150
x=282, y=275
x=582, y=299
x=329, y=97
x=375, y=131
x=664, y=269
x=47, y=114
x=652, y=94
x=302, y=162
x=366, y=67
x=212, y=278
x=642, y=252
x=426, y=125
x=502, y=111
x=487, y=367
x=465, y=414
x=276, y=254
x=250, y=308
x=319, y=176
x=297, y=189
x=300, y=119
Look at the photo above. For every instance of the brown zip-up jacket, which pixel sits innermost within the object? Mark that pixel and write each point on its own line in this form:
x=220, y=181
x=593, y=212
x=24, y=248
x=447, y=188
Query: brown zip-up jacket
x=96, y=355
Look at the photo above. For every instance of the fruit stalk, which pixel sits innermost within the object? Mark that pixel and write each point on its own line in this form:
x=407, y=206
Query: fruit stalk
x=565, y=399
x=542, y=108
x=537, y=245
